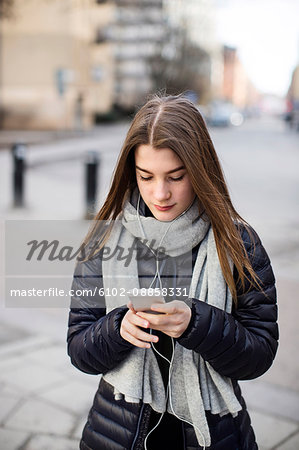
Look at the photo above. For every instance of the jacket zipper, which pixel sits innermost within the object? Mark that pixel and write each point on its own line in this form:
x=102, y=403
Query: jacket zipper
x=138, y=426
x=184, y=436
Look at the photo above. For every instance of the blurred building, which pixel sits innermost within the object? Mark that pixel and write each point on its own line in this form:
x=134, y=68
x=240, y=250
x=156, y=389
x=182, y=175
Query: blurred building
x=236, y=87
x=293, y=100
x=197, y=17
x=65, y=64
x=137, y=32
x=222, y=74
x=293, y=91
x=55, y=71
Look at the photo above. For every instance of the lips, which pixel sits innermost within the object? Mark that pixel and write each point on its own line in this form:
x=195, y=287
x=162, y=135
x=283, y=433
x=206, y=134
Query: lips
x=164, y=208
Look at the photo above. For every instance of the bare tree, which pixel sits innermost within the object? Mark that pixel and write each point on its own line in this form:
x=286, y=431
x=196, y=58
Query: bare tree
x=180, y=65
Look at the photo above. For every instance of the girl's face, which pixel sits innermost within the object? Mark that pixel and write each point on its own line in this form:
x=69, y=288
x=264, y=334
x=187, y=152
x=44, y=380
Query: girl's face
x=163, y=182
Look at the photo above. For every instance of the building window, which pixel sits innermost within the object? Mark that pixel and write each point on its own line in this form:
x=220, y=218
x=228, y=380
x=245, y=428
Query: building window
x=101, y=37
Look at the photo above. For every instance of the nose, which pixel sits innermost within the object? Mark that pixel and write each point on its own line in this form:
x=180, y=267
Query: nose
x=162, y=192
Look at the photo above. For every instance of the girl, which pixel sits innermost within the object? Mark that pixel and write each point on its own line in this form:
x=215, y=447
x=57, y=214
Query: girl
x=170, y=380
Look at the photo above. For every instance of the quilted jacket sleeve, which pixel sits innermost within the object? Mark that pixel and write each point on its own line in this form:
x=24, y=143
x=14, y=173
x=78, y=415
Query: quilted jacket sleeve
x=241, y=345
x=93, y=340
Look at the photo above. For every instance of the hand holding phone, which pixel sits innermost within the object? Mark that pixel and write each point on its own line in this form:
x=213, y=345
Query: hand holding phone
x=174, y=318
x=132, y=325
x=143, y=299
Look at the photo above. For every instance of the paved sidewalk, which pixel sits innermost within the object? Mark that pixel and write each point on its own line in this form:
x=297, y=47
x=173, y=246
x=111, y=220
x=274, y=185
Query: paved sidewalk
x=44, y=399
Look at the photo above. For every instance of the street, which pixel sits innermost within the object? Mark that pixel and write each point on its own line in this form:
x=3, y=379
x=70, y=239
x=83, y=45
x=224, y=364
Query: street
x=260, y=161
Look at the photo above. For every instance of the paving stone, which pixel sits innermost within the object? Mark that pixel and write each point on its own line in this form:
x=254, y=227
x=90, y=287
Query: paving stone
x=12, y=362
x=10, y=333
x=18, y=348
x=14, y=392
x=42, y=442
x=38, y=416
x=269, y=430
x=277, y=401
x=31, y=377
x=290, y=444
x=12, y=439
x=15, y=362
x=9, y=391
x=46, y=355
x=7, y=405
x=285, y=369
x=53, y=356
x=73, y=395
x=71, y=373
x=79, y=428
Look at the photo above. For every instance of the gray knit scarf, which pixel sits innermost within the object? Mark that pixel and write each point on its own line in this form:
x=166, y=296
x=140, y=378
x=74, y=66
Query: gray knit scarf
x=195, y=385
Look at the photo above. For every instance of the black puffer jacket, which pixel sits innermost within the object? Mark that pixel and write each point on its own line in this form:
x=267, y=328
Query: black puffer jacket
x=241, y=345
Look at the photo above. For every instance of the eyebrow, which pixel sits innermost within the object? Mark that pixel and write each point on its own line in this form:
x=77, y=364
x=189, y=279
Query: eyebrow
x=171, y=171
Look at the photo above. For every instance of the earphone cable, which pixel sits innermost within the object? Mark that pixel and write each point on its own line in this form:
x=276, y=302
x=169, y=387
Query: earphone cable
x=168, y=393
x=157, y=275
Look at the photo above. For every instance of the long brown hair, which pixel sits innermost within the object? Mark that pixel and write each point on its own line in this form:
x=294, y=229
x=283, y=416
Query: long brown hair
x=174, y=122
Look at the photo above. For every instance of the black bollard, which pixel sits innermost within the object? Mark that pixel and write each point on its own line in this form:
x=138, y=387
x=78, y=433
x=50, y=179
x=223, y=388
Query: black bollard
x=91, y=181
x=18, y=154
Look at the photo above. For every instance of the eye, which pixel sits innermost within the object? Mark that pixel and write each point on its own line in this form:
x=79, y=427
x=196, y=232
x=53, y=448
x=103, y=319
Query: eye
x=177, y=178
x=145, y=178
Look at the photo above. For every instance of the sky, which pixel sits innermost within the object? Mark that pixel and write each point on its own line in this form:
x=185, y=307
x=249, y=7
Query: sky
x=266, y=33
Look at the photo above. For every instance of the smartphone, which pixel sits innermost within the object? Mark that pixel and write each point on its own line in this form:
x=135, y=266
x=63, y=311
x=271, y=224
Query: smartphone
x=142, y=299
